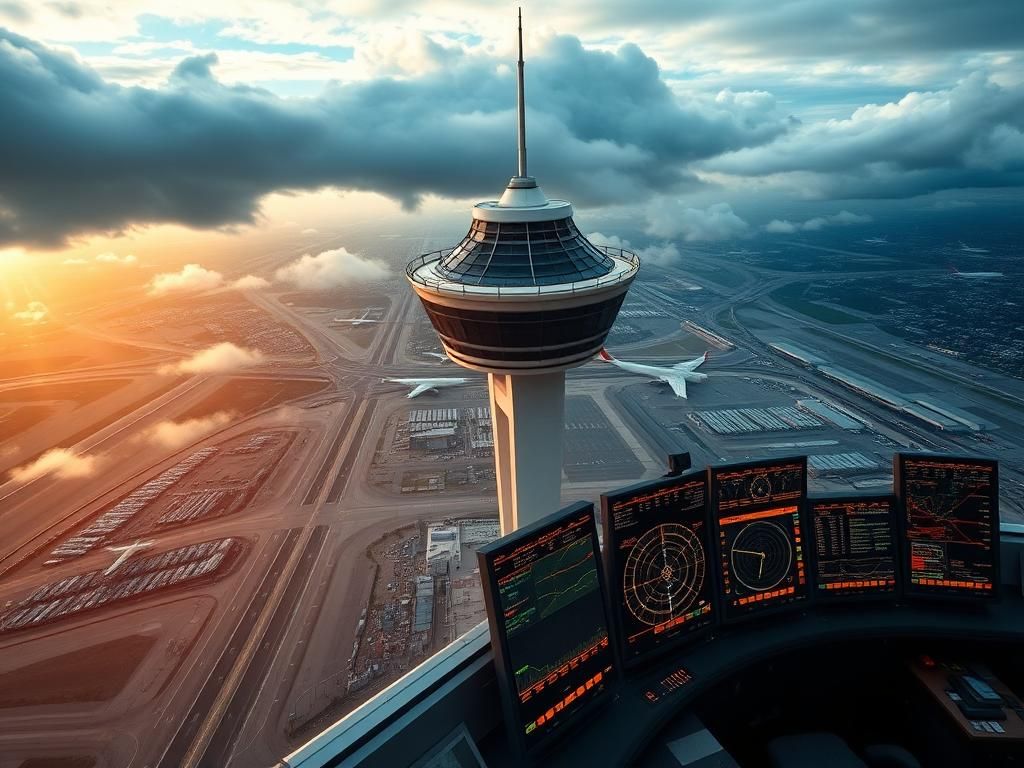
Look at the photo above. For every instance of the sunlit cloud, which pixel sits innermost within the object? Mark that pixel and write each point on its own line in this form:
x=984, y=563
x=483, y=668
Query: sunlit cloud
x=112, y=258
x=34, y=313
x=60, y=462
x=332, y=269
x=220, y=358
x=192, y=277
x=250, y=283
x=177, y=434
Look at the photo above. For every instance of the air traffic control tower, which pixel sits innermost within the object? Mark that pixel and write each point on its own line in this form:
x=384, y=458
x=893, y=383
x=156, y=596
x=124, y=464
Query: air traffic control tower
x=524, y=297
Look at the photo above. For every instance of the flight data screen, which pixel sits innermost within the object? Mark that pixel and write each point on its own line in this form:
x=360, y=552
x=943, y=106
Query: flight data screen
x=546, y=597
x=761, y=556
x=951, y=520
x=754, y=485
x=855, y=546
x=656, y=539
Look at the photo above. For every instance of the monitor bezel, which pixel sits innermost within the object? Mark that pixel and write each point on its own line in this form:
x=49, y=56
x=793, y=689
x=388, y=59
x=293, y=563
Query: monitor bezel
x=610, y=562
x=794, y=606
x=512, y=714
x=824, y=596
x=899, y=488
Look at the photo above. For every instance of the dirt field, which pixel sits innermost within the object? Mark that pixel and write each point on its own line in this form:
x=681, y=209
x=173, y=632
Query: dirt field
x=247, y=396
x=82, y=392
x=97, y=673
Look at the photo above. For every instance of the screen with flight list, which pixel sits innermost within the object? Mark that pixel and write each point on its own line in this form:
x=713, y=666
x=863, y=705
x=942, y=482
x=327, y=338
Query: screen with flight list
x=950, y=516
x=855, y=546
x=549, y=629
x=656, y=544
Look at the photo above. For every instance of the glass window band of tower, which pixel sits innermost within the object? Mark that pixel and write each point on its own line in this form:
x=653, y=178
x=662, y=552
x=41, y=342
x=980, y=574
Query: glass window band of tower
x=524, y=253
x=515, y=336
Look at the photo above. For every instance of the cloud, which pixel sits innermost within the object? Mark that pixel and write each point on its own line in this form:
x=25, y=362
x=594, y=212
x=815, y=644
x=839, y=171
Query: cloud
x=843, y=218
x=604, y=126
x=34, y=313
x=331, y=269
x=971, y=135
x=112, y=258
x=192, y=277
x=128, y=260
x=871, y=29
x=668, y=218
x=220, y=358
x=659, y=255
x=250, y=282
x=177, y=434
x=59, y=461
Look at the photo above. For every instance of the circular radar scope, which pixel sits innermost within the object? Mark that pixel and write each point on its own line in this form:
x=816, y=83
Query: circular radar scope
x=761, y=555
x=664, y=573
x=760, y=487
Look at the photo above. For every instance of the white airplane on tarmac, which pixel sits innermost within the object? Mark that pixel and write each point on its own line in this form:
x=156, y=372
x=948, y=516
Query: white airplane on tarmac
x=355, y=322
x=126, y=551
x=419, y=386
x=676, y=376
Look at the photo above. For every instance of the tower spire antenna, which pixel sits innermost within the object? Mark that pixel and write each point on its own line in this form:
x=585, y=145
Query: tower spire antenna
x=522, y=104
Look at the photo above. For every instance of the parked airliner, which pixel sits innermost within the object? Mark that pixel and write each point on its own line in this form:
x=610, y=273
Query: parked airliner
x=126, y=552
x=419, y=386
x=676, y=376
x=355, y=322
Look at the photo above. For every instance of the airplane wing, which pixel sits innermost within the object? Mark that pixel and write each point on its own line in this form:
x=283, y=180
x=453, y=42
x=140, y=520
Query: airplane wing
x=418, y=390
x=691, y=365
x=678, y=384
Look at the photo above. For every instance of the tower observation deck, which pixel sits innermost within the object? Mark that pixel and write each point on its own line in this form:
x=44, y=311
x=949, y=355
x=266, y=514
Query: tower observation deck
x=523, y=297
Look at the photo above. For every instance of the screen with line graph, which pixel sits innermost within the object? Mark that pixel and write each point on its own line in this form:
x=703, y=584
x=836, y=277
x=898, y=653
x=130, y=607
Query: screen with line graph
x=855, y=546
x=950, y=516
x=548, y=624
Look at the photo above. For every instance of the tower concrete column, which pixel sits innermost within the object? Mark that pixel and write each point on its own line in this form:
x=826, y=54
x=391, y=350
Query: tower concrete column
x=527, y=420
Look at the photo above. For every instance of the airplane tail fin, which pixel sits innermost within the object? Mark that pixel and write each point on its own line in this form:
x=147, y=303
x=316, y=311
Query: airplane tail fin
x=604, y=355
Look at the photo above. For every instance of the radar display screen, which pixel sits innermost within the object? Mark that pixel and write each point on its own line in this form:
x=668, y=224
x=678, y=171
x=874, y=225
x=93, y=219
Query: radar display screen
x=549, y=630
x=758, y=513
x=746, y=486
x=855, y=546
x=656, y=544
x=762, y=560
x=950, y=517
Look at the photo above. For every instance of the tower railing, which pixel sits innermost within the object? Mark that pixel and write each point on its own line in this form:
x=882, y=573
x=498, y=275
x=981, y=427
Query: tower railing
x=443, y=285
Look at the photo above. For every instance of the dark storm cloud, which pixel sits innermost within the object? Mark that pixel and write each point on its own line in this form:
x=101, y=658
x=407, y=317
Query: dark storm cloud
x=80, y=154
x=14, y=10
x=862, y=29
x=969, y=136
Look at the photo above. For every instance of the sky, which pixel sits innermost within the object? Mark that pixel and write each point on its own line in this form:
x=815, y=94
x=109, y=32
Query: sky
x=151, y=128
